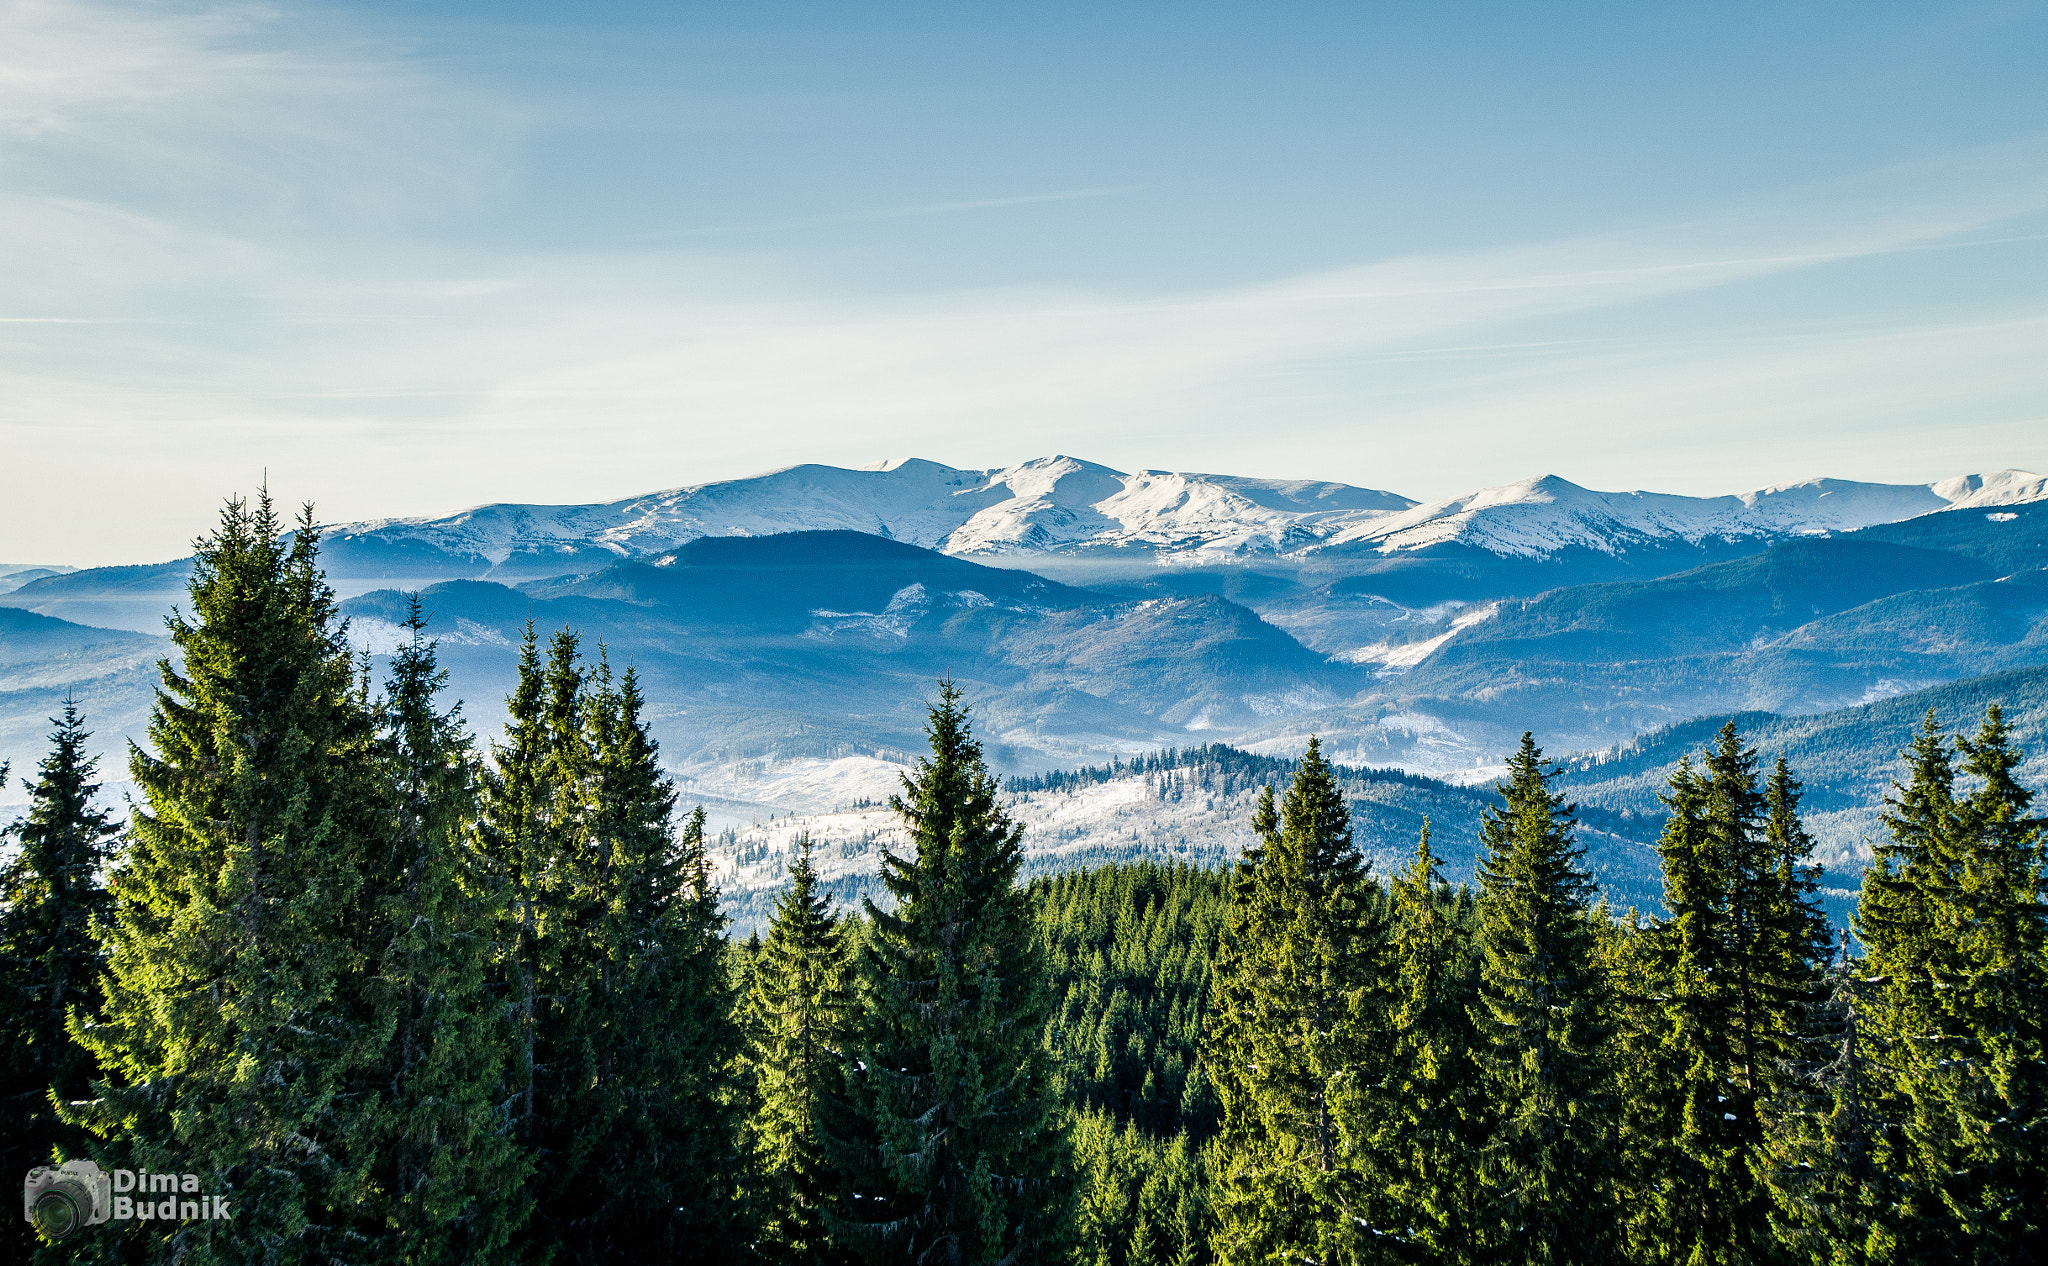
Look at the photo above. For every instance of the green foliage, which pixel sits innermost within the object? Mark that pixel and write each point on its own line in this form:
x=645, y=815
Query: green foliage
x=56, y=910
x=1957, y=936
x=449, y=1185
x=799, y=1013
x=1128, y=950
x=1436, y=1116
x=949, y=1136
x=1144, y=1199
x=1821, y=1152
x=1732, y=971
x=624, y=1091
x=1297, y=1037
x=1543, y=1025
x=237, y=1017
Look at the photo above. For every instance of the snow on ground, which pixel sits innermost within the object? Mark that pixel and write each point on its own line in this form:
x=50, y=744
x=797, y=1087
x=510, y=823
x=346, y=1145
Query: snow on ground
x=1133, y=816
x=1399, y=657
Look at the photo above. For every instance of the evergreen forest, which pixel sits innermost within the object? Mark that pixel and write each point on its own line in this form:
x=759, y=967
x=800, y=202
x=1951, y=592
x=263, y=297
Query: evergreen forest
x=397, y=996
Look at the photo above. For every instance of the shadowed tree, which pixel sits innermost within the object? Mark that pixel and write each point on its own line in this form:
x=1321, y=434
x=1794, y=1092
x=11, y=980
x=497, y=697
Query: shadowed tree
x=949, y=1137
x=56, y=910
x=1543, y=1031
x=1299, y=1033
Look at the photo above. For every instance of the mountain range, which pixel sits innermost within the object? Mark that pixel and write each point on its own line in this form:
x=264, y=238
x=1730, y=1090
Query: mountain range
x=788, y=627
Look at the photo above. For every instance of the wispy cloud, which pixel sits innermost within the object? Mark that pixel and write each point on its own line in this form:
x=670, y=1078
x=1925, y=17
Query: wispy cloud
x=167, y=339
x=884, y=213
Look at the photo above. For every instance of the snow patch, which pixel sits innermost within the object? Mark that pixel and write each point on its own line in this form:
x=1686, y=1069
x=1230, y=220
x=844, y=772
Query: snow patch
x=1398, y=657
x=905, y=608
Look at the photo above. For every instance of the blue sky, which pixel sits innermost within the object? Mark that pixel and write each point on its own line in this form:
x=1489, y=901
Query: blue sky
x=406, y=257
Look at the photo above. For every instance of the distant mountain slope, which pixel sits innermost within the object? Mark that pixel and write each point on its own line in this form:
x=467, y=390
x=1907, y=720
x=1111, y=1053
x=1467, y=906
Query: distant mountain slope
x=781, y=580
x=1540, y=517
x=1805, y=626
x=110, y=673
x=134, y=598
x=1193, y=805
x=1321, y=558
x=1052, y=504
x=14, y=575
x=823, y=643
x=1846, y=758
x=27, y=638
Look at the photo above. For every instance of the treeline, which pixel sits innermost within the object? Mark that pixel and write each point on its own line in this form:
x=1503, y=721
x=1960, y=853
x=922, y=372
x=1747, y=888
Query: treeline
x=400, y=1000
x=1512, y=1072
x=1216, y=767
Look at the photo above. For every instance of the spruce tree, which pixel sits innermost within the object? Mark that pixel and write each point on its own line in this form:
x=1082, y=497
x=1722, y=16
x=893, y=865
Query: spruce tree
x=1436, y=1120
x=450, y=1183
x=1830, y=1195
x=613, y=976
x=1904, y=918
x=949, y=1136
x=521, y=873
x=57, y=907
x=1992, y=1140
x=1958, y=928
x=236, y=1017
x=656, y=1133
x=1543, y=1030
x=799, y=1012
x=530, y=806
x=1301, y=1013
x=1736, y=964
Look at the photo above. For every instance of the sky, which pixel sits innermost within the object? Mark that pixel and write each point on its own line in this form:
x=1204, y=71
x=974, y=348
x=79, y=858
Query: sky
x=400, y=258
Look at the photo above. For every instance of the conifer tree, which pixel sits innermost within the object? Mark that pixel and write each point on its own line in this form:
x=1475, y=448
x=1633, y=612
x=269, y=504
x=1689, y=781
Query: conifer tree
x=657, y=1149
x=522, y=874
x=1903, y=915
x=1543, y=1030
x=1957, y=927
x=1736, y=964
x=532, y=804
x=1436, y=1119
x=1301, y=1010
x=613, y=975
x=57, y=907
x=949, y=1136
x=1991, y=1137
x=450, y=1182
x=1829, y=1194
x=236, y=1016
x=799, y=1012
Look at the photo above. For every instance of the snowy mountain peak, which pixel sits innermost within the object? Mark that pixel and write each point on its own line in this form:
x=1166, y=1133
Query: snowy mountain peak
x=2001, y=488
x=1540, y=516
x=1067, y=506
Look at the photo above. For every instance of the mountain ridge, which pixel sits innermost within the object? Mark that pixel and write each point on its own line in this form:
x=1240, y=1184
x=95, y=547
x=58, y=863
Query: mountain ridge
x=1062, y=505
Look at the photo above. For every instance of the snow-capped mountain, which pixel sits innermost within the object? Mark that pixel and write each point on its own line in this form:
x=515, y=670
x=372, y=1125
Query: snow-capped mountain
x=1539, y=517
x=1062, y=506
x=1051, y=505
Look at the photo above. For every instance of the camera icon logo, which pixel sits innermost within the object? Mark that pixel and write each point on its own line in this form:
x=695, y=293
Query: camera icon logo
x=59, y=1200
